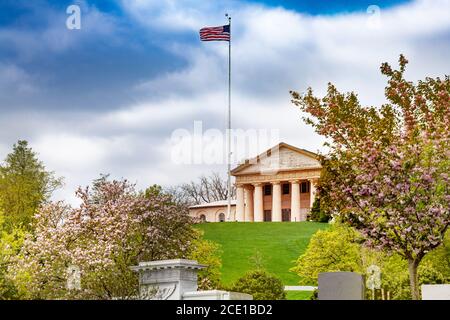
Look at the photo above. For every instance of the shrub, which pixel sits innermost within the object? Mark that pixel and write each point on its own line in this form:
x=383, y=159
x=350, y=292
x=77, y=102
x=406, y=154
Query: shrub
x=261, y=285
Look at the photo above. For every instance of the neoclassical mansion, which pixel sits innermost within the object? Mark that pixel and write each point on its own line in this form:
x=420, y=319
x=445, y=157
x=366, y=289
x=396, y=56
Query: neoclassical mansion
x=277, y=185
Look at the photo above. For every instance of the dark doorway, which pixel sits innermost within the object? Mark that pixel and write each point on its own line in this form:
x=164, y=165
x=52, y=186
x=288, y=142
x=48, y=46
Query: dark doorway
x=286, y=215
x=267, y=215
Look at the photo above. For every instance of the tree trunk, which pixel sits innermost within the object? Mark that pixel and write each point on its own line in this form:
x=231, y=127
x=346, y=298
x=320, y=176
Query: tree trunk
x=413, y=278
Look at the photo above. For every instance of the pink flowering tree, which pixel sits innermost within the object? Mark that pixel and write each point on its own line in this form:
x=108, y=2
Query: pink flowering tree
x=114, y=228
x=387, y=169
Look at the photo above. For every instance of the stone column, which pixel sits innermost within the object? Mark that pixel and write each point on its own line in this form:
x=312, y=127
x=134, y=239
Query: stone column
x=295, y=201
x=240, y=203
x=249, y=217
x=312, y=191
x=276, y=201
x=259, y=205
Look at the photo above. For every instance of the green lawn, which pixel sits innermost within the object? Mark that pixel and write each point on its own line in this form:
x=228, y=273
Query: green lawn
x=298, y=295
x=279, y=245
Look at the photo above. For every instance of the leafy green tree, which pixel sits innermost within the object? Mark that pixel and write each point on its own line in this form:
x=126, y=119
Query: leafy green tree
x=24, y=185
x=261, y=285
x=10, y=245
x=155, y=190
x=318, y=213
x=335, y=249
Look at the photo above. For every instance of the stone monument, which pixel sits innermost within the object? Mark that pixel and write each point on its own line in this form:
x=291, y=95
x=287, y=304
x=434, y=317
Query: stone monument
x=177, y=280
x=167, y=279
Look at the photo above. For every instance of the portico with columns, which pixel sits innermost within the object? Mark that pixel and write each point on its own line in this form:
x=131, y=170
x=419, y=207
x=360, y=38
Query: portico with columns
x=278, y=185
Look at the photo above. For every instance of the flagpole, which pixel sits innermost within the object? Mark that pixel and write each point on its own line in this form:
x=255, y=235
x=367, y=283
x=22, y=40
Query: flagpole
x=229, y=121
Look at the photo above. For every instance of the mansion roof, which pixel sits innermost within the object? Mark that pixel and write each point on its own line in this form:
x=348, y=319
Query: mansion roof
x=282, y=157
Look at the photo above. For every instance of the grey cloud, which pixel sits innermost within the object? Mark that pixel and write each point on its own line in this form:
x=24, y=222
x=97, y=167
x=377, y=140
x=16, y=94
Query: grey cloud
x=126, y=131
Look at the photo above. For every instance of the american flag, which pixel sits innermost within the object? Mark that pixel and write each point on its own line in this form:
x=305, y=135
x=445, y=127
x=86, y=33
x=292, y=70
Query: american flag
x=221, y=33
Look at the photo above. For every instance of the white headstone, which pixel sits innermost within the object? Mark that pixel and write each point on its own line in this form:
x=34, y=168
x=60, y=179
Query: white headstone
x=436, y=292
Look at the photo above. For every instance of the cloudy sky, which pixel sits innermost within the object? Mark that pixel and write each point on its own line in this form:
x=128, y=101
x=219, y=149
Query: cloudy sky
x=108, y=97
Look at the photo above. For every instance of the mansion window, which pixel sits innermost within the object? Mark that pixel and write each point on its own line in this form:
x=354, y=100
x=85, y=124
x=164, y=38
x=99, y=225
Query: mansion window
x=267, y=190
x=222, y=217
x=285, y=188
x=304, y=187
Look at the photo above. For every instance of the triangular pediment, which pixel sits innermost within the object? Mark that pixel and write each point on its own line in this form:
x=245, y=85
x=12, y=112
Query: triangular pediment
x=282, y=157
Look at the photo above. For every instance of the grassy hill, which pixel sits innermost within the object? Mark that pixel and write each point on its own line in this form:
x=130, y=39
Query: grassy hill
x=278, y=243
